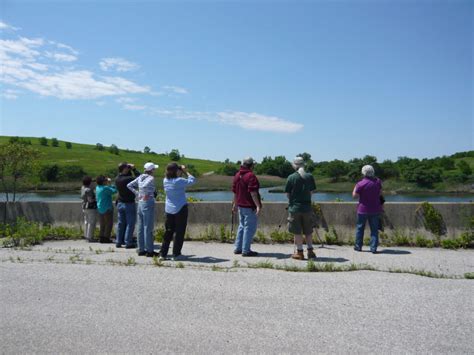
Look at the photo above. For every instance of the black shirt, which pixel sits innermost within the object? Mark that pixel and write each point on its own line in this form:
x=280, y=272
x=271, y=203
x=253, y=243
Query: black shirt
x=121, y=182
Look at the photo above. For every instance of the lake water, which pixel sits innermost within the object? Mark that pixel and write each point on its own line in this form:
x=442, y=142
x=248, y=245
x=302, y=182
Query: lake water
x=267, y=196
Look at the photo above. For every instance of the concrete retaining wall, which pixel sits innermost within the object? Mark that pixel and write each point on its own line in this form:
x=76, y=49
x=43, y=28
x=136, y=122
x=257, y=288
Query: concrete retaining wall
x=206, y=217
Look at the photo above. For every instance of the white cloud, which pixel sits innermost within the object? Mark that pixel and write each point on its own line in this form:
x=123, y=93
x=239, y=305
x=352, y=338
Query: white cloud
x=117, y=64
x=175, y=89
x=248, y=121
x=61, y=57
x=23, y=66
x=123, y=100
x=258, y=122
x=65, y=46
x=10, y=94
x=134, y=107
x=6, y=26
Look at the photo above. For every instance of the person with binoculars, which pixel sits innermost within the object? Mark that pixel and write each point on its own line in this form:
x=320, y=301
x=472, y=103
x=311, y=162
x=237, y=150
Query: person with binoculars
x=126, y=207
x=176, y=207
x=104, y=193
x=144, y=188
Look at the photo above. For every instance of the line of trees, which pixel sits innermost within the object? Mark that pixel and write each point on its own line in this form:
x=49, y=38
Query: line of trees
x=424, y=173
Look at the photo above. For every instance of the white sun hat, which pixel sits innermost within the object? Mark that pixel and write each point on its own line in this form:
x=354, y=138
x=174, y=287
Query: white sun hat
x=150, y=166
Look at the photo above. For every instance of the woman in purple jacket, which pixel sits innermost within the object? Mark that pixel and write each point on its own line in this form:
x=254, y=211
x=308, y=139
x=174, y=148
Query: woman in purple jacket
x=368, y=191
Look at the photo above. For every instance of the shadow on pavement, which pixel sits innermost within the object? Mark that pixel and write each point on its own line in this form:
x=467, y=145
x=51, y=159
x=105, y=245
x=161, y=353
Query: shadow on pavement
x=394, y=252
x=331, y=260
x=274, y=255
x=205, y=259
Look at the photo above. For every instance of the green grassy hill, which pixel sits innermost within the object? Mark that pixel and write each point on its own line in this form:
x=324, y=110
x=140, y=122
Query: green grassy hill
x=97, y=162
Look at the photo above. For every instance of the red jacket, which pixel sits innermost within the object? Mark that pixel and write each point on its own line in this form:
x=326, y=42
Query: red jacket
x=243, y=184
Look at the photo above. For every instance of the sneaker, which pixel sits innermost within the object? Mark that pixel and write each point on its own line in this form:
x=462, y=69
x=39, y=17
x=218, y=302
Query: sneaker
x=250, y=253
x=131, y=246
x=357, y=249
x=152, y=254
x=298, y=255
x=311, y=254
x=141, y=253
x=105, y=241
x=118, y=245
x=93, y=240
x=176, y=257
x=373, y=251
x=237, y=252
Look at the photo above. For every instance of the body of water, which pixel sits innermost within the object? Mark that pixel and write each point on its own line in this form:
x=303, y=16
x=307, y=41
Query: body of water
x=267, y=196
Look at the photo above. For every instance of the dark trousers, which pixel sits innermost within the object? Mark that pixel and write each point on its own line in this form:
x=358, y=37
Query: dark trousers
x=175, y=225
x=106, y=221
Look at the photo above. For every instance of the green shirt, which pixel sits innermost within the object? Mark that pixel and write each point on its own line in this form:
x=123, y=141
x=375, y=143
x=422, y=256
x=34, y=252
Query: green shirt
x=299, y=190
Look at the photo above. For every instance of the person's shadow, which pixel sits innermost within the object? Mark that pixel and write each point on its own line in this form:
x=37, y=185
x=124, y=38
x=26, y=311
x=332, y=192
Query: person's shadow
x=331, y=260
x=204, y=259
x=274, y=255
x=393, y=252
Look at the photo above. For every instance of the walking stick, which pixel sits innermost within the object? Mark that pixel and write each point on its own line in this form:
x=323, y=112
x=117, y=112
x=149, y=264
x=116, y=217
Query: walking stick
x=232, y=222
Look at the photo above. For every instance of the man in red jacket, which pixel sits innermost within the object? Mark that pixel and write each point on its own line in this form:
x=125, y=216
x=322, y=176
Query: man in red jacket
x=247, y=200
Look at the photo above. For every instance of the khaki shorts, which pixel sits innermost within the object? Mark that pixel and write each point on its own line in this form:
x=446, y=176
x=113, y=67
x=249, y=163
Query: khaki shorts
x=300, y=223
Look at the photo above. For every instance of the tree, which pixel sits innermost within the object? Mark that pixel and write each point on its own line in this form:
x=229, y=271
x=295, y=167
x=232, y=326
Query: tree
x=114, y=149
x=68, y=145
x=446, y=163
x=146, y=150
x=423, y=175
x=99, y=147
x=336, y=169
x=54, y=142
x=49, y=173
x=229, y=169
x=309, y=163
x=464, y=167
x=43, y=141
x=174, y=155
x=17, y=161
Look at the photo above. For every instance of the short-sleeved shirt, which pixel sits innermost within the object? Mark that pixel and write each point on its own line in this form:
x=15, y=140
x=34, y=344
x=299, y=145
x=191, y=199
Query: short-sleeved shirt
x=175, y=190
x=104, y=197
x=369, y=195
x=244, y=183
x=299, y=189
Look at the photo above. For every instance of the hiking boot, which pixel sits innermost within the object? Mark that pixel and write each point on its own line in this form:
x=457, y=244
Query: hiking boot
x=311, y=254
x=298, y=255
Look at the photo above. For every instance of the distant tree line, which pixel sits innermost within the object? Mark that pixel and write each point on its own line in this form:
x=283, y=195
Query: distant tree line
x=424, y=172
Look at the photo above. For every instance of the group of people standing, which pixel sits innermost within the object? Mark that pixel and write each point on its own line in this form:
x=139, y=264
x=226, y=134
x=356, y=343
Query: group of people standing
x=132, y=186
x=299, y=188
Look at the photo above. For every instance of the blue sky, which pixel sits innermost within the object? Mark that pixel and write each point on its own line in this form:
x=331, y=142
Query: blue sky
x=218, y=80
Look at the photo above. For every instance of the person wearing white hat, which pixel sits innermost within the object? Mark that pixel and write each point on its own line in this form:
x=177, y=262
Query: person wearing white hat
x=144, y=188
x=299, y=188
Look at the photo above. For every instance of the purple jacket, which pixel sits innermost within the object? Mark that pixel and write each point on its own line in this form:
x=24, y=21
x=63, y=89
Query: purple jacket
x=369, y=195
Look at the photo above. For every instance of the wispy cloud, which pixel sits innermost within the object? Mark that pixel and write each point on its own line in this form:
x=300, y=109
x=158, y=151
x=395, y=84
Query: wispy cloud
x=6, y=26
x=117, y=64
x=175, y=89
x=42, y=67
x=245, y=120
x=10, y=94
x=61, y=57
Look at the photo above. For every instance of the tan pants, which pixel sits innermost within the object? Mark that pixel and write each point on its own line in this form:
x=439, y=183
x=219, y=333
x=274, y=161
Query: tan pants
x=90, y=220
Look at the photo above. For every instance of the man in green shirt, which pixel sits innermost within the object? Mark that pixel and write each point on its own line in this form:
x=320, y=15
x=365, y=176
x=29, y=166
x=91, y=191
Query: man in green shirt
x=299, y=188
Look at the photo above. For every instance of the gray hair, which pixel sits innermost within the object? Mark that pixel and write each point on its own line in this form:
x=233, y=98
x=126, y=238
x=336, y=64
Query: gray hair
x=298, y=165
x=368, y=171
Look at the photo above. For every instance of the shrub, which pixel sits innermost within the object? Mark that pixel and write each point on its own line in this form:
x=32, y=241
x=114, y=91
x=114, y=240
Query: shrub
x=228, y=169
x=281, y=237
x=114, y=149
x=174, y=155
x=465, y=168
x=331, y=237
x=99, y=147
x=43, y=141
x=54, y=142
x=68, y=145
x=49, y=173
x=159, y=234
x=450, y=244
x=432, y=219
x=71, y=172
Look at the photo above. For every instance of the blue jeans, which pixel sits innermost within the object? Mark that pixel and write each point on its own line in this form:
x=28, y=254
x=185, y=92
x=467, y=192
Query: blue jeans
x=146, y=220
x=374, y=223
x=247, y=229
x=127, y=215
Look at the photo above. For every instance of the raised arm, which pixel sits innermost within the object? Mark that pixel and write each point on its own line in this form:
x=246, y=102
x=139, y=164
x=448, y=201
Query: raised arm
x=133, y=186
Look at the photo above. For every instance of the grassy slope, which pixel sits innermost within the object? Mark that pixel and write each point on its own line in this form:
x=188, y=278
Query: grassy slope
x=97, y=162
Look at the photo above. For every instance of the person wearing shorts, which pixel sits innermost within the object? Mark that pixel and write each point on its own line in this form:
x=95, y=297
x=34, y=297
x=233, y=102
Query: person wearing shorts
x=299, y=188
